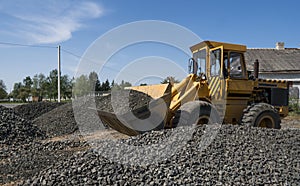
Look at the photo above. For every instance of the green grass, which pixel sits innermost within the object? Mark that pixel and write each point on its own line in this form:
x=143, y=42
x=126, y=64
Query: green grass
x=294, y=113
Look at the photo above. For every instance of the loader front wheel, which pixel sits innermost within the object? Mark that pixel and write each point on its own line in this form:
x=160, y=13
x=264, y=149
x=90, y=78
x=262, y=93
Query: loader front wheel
x=196, y=112
x=261, y=115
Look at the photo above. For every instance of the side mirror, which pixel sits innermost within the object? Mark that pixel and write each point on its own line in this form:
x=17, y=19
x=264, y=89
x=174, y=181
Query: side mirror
x=192, y=66
x=190, y=63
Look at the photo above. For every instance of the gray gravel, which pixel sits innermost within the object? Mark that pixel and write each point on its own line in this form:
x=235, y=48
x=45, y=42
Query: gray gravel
x=21, y=162
x=11, y=105
x=61, y=120
x=15, y=129
x=57, y=122
x=123, y=101
x=237, y=156
x=33, y=110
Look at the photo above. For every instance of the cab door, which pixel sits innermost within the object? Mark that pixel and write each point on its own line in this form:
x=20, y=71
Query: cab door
x=216, y=81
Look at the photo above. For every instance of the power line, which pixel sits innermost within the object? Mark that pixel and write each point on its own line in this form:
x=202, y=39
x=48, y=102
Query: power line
x=44, y=46
x=26, y=45
x=94, y=62
x=79, y=57
x=71, y=53
x=64, y=50
x=90, y=60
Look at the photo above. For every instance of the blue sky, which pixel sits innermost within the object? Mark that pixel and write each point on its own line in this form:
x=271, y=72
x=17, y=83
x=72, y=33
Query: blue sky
x=76, y=24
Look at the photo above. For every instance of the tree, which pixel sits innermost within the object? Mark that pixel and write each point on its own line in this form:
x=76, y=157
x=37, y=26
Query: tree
x=51, y=84
x=39, y=86
x=23, y=93
x=25, y=89
x=66, y=87
x=105, y=86
x=20, y=92
x=27, y=81
x=170, y=79
x=94, y=82
x=3, y=93
x=125, y=84
x=2, y=84
x=16, y=91
x=112, y=83
x=43, y=85
x=35, y=86
x=81, y=86
x=115, y=86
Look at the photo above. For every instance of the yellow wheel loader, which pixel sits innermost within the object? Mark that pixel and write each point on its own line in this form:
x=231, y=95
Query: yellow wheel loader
x=219, y=89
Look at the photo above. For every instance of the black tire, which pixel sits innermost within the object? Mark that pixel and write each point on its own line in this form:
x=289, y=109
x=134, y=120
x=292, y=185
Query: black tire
x=196, y=112
x=261, y=115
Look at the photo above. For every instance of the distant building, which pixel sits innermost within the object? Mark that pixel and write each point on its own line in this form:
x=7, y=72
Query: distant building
x=276, y=63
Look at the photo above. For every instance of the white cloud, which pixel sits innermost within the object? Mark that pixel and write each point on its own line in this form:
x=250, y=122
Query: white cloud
x=51, y=21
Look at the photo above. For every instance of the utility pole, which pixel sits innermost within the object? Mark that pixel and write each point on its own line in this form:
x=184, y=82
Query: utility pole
x=58, y=75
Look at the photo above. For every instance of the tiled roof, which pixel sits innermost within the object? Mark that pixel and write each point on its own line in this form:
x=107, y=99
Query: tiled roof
x=272, y=60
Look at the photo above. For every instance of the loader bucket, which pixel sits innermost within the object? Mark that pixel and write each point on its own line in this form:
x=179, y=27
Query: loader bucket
x=143, y=119
x=113, y=121
x=155, y=91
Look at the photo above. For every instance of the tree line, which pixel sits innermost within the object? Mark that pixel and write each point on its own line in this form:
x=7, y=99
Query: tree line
x=3, y=93
x=85, y=85
x=45, y=87
x=41, y=86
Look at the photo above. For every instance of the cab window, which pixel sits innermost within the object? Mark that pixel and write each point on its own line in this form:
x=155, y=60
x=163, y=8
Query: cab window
x=215, y=62
x=235, y=60
x=200, y=58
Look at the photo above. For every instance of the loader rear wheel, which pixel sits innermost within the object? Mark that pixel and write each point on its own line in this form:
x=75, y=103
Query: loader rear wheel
x=195, y=112
x=261, y=115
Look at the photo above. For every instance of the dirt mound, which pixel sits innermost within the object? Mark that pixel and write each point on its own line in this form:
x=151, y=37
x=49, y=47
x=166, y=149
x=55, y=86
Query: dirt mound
x=33, y=110
x=122, y=101
x=15, y=129
x=58, y=121
x=61, y=120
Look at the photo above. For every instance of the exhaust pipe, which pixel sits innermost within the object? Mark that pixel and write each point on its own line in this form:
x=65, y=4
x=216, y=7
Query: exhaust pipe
x=256, y=69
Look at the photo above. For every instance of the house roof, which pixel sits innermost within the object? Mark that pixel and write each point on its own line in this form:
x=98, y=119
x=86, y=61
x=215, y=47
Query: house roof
x=274, y=60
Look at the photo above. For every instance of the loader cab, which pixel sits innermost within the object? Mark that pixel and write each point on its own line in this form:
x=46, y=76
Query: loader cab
x=215, y=59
